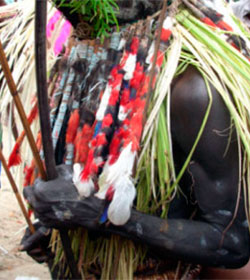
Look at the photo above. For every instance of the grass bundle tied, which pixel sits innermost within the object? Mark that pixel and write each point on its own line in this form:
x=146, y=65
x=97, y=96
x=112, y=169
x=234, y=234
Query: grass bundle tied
x=204, y=47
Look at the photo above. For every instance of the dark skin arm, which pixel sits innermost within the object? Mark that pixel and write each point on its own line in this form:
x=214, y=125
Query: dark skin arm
x=214, y=174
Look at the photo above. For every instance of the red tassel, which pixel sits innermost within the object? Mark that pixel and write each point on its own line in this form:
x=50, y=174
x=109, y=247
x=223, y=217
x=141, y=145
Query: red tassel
x=28, y=174
x=110, y=193
x=33, y=113
x=72, y=127
x=160, y=58
x=208, y=21
x=86, y=171
x=135, y=45
x=125, y=96
x=76, y=143
x=15, y=157
x=114, y=149
x=101, y=139
x=224, y=26
x=137, y=77
x=114, y=97
x=165, y=34
x=82, y=146
x=117, y=80
x=107, y=120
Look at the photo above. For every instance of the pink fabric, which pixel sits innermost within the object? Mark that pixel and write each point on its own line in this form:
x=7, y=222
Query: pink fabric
x=52, y=22
x=62, y=38
x=64, y=33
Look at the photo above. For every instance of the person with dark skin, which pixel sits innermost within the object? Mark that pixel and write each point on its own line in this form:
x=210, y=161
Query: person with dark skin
x=218, y=233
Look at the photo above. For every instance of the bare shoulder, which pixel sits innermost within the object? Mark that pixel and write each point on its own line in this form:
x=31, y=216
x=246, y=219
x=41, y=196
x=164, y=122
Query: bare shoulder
x=189, y=104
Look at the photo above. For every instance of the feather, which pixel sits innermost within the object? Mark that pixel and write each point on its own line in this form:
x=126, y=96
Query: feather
x=121, y=168
x=85, y=188
x=119, y=210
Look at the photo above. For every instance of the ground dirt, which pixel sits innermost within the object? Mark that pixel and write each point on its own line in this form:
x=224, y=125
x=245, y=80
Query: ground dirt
x=15, y=264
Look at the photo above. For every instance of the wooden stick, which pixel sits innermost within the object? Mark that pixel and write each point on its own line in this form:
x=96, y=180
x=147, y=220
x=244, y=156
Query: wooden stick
x=42, y=90
x=21, y=112
x=157, y=45
x=16, y=192
x=42, y=95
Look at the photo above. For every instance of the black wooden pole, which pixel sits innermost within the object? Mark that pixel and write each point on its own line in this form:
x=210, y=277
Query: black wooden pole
x=42, y=91
x=42, y=94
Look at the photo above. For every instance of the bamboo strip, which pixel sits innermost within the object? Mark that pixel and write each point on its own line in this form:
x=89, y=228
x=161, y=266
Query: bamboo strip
x=21, y=112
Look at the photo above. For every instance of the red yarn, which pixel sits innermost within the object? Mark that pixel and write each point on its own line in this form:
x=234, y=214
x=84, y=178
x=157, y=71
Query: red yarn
x=101, y=139
x=93, y=143
x=114, y=149
x=208, y=21
x=136, y=124
x=117, y=80
x=134, y=45
x=110, y=193
x=125, y=97
x=86, y=171
x=139, y=104
x=76, y=144
x=107, y=120
x=114, y=97
x=165, y=34
x=224, y=26
x=83, y=144
x=160, y=58
x=126, y=122
x=113, y=74
x=94, y=168
x=72, y=127
x=137, y=76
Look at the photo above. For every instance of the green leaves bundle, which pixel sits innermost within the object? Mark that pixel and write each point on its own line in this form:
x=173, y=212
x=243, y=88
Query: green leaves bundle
x=100, y=14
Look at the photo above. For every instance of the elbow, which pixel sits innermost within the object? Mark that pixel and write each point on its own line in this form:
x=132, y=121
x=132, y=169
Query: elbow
x=239, y=252
x=230, y=259
x=234, y=251
x=240, y=259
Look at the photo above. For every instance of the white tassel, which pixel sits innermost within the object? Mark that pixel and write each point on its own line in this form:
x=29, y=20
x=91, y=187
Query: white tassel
x=150, y=53
x=104, y=103
x=85, y=188
x=122, y=44
x=120, y=208
x=118, y=175
x=129, y=67
x=122, y=167
x=122, y=115
x=168, y=23
x=77, y=169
